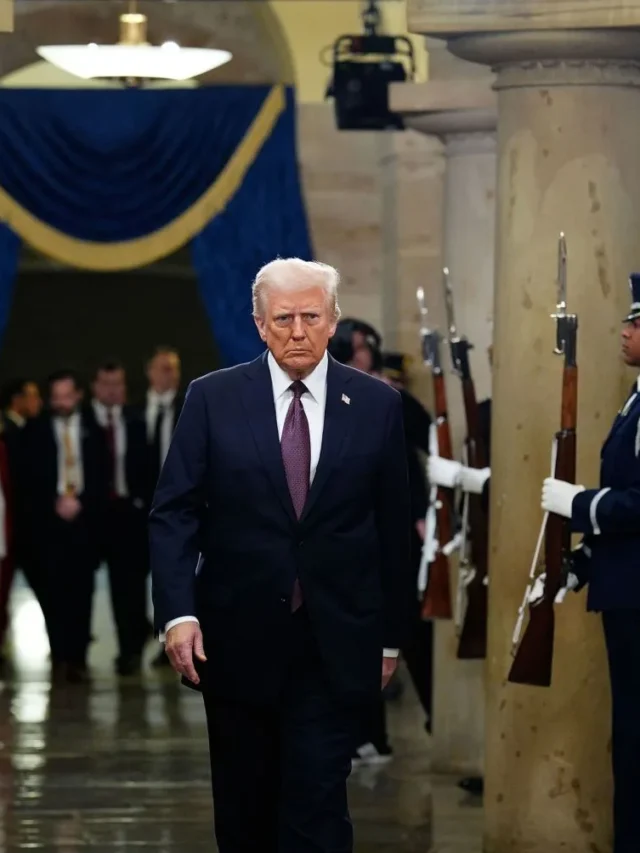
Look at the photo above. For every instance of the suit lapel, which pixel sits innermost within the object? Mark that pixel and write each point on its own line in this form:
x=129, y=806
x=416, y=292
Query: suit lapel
x=257, y=399
x=338, y=420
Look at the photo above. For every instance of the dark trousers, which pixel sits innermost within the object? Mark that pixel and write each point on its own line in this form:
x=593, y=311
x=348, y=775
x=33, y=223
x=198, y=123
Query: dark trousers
x=70, y=557
x=279, y=773
x=125, y=552
x=418, y=655
x=6, y=580
x=622, y=637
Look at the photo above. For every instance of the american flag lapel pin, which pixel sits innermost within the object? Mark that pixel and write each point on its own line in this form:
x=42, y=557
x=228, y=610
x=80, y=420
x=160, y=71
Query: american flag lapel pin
x=345, y=399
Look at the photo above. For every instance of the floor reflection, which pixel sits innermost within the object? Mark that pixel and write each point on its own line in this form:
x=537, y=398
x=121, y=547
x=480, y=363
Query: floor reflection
x=123, y=765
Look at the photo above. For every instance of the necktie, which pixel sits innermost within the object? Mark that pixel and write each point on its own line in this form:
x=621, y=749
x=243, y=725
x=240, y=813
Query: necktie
x=157, y=442
x=111, y=443
x=296, y=456
x=70, y=484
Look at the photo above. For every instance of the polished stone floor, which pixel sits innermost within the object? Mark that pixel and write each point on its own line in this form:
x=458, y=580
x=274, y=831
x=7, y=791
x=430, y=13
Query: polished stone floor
x=124, y=766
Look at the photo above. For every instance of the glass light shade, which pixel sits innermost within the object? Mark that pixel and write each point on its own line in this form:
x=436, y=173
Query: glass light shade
x=134, y=61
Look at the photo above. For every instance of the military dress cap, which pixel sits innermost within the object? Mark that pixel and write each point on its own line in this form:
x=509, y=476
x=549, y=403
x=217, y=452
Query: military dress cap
x=395, y=364
x=634, y=285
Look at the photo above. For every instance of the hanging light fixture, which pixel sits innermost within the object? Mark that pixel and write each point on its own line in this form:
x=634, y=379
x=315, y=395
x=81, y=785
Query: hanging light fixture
x=133, y=59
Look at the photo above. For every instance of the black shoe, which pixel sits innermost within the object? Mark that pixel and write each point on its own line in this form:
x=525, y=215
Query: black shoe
x=161, y=661
x=127, y=665
x=472, y=785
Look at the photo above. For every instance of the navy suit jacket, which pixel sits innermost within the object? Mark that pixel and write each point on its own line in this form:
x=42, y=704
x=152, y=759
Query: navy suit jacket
x=222, y=502
x=610, y=518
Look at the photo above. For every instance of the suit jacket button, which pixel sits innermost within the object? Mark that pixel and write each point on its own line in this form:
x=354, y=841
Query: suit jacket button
x=283, y=600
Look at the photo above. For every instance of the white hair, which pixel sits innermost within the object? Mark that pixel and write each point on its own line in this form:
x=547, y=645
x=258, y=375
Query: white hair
x=295, y=274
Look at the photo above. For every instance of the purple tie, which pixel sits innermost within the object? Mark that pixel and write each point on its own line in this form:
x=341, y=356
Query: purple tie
x=296, y=456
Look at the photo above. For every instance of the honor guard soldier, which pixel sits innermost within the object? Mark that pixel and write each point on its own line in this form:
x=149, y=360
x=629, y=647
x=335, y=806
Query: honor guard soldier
x=608, y=560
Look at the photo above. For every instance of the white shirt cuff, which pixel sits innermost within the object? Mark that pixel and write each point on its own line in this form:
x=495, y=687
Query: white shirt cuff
x=390, y=653
x=163, y=636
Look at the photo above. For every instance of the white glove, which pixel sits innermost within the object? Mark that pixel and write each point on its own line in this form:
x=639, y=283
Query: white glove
x=443, y=472
x=473, y=479
x=558, y=495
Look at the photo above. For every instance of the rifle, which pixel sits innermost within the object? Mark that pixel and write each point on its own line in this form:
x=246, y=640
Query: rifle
x=433, y=576
x=533, y=659
x=472, y=643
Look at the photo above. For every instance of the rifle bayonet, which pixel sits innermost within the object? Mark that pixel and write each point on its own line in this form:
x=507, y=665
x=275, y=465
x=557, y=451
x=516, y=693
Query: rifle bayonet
x=430, y=338
x=566, y=324
x=459, y=346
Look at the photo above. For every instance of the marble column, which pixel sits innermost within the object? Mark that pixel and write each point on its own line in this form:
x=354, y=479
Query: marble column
x=568, y=112
x=462, y=113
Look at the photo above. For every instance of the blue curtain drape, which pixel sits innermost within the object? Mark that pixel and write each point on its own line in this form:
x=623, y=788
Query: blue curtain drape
x=9, y=255
x=265, y=219
x=106, y=167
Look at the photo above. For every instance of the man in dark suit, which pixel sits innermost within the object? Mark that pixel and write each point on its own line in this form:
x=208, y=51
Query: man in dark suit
x=62, y=490
x=286, y=486
x=124, y=545
x=20, y=401
x=607, y=559
x=160, y=414
x=162, y=406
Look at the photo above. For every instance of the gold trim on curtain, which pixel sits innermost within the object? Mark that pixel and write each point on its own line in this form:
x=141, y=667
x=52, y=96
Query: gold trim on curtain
x=129, y=254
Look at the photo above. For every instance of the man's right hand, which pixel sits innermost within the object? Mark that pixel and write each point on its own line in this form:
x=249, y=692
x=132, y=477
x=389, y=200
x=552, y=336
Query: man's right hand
x=183, y=643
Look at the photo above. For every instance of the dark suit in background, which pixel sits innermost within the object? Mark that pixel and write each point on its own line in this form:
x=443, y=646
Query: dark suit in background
x=66, y=553
x=158, y=439
x=124, y=545
x=284, y=692
x=418, y=650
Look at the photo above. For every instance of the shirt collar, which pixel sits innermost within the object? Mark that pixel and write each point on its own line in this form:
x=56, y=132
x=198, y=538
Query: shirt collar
x=156, y=399
x=315, y=383
x=17, y=419
x=102, y=411
x=72, y=420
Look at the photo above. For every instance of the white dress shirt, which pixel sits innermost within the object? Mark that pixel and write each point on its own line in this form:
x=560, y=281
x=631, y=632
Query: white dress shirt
x=75, y=472
x=120, y=436
x=314, y=402
x=154, y=402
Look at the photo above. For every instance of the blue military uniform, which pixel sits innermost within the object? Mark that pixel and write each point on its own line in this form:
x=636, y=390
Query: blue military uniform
x=609, y=561
x=609, y=516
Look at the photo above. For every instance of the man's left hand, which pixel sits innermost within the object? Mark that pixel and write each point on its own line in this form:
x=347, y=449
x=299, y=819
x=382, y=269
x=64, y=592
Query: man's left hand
x=558, y=495
x=389, y=666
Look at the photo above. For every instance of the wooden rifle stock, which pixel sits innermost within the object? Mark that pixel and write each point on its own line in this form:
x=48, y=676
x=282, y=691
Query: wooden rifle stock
x=533, y=662
x=436, y=602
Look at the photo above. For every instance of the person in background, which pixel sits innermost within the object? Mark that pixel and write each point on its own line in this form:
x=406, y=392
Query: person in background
x=7, y=547
x=356, y=343
x=607, y=516
x=451, y=474
x=163, y=406
x=61, y=489
x=20, y=400
x=160, y=414
x=124, y=545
